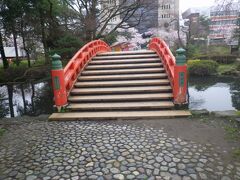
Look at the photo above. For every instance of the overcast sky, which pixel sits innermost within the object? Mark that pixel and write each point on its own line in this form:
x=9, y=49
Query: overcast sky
x=185, y=4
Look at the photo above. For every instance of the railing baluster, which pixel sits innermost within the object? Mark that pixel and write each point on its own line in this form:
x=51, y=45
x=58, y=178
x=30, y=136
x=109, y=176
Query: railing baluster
x=64, y=79
x=175, y=68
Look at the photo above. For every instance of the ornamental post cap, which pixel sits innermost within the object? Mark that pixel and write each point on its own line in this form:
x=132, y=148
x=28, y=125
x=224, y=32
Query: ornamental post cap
x=181, y=51
x=56, y=57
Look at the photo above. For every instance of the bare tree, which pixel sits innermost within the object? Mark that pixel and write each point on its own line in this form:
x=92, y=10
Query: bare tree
x=94, y=16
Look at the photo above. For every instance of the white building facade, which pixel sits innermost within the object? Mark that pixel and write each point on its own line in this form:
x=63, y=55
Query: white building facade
x=224, y=21
x=168, y=14
x=108, y=7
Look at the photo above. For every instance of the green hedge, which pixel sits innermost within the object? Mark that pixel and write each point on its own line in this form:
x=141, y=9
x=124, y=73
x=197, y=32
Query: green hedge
x=202, y=67
x=224, y=59
x=238, y=67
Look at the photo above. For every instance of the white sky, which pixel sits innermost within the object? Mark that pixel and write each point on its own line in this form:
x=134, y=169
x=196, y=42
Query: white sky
x=185, y=4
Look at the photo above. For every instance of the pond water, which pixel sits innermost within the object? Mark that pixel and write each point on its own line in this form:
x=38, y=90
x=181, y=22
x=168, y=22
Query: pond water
x=211, y=93
x=26, y=99
x=214, y=94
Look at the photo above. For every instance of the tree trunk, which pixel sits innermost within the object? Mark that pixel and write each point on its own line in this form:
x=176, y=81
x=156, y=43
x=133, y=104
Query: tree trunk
x=32, y=98
x=24, y=45
x=4, y=59
x=44, y=40
x=238, y=32
x=179, y=37
x=24, y=99
x=15, y=45
x=10, y=99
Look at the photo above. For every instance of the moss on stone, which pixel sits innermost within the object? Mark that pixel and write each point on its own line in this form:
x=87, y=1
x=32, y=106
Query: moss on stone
x=2, y=131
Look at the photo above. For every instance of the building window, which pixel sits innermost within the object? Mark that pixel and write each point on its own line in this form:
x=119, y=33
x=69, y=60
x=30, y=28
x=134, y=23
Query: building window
x=166, y=16
x=165, y=6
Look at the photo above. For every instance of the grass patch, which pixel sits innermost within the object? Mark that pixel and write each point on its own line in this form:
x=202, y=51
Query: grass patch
x=233, y=132
x=225, y=67
x=238, y=113
x=228, y=69
x=236, y=153
x=21, y=73
x=2, y=131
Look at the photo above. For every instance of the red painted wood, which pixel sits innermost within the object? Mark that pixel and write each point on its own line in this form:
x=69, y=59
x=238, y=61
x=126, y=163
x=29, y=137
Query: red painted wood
x=59, y=91
x=169, y=62
x=80, y=59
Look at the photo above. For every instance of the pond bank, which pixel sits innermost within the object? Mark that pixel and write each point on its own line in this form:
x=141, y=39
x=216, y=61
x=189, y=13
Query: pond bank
x=23, y=74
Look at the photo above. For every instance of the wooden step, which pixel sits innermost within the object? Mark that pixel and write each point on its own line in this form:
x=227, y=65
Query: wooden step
x=125, y=61
x=126, y=53
x=123, y=83
x=124, y=97
x=119, y=114
x=121, y=90
x=123, y=77
x=122, y=105
x=137, y=56
x=123, y=66
x=123, y=71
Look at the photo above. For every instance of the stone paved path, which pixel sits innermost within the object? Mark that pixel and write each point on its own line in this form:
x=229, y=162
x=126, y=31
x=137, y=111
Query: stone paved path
x=105, y=150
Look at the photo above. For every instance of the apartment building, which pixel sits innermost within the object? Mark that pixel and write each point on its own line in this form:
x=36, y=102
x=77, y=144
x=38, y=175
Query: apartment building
x=223, y=24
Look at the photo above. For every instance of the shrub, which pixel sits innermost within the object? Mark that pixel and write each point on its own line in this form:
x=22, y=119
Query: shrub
x=219, y=50
x=227, y=59
x=201, y=68
x=193, y=51
x=66, y=46
x=11, y=73
x=238, y=67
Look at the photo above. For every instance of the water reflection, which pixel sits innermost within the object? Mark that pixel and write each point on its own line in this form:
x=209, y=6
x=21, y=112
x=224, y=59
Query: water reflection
x=26, y=99
x=214, y=94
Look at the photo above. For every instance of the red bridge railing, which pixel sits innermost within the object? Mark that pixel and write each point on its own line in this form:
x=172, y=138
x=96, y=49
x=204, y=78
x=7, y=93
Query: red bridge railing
x=64, y=79
x=176, y=68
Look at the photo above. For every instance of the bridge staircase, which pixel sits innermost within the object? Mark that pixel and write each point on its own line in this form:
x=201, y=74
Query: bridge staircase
x=116, y=85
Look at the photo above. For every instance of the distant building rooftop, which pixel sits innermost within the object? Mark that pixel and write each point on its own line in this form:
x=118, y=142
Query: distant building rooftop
x=203, y=11
x=229, y=7
x=10, y=52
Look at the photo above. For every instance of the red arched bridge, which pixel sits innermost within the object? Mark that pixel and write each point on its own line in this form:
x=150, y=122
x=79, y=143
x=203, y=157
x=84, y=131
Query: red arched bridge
x=100, y=84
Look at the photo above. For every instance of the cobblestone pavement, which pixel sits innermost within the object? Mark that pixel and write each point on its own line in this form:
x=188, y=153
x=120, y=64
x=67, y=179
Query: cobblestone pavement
x=106, y=150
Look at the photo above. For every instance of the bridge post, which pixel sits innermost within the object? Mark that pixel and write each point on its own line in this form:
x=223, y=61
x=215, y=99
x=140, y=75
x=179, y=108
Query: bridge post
x=58, y=83
x=180, y=78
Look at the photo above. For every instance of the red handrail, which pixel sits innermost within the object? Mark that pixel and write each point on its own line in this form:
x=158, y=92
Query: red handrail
x=177, y=74
x=163, y=51
x=64, y=79
x=80, y=59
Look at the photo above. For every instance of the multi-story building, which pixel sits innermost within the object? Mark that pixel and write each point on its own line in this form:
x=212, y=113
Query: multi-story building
x=198, y=30
x=107, y=7
x=224, y=22
x=168, y=14
x=202, y=11
x=147, y=14
x=157, y=14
